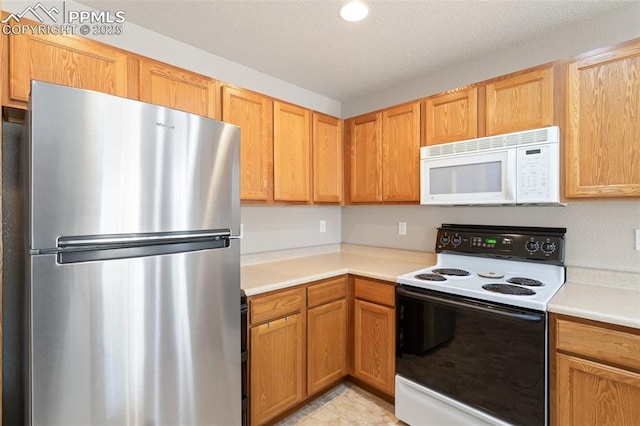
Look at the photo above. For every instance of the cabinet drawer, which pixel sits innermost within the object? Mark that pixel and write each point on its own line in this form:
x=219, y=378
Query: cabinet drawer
x=376, y=292
x=328, y=291
x=276, y=305
x=613, y=346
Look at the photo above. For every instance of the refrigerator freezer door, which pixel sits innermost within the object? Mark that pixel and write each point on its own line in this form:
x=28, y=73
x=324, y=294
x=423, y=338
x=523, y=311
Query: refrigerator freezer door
x=101, y=164
x=142, y=341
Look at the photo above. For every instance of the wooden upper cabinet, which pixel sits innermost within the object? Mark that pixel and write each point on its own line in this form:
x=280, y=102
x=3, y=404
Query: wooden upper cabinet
x=451, y=117
x=173, y=87
x=327, y=159
x=68, y=60
x=291, y=152
x=520, y=102
x=254, y=114
x=365, y=158
x=603, y=124
x=401, y=153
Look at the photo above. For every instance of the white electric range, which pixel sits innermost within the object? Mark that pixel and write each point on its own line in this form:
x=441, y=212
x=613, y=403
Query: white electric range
x=467, y=326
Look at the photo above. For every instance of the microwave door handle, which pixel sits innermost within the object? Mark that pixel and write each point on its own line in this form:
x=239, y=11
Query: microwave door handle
x=511, y=175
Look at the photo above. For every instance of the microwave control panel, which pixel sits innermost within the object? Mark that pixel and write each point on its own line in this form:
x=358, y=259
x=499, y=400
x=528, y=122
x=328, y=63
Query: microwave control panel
x=538, y=173
x=533, y=246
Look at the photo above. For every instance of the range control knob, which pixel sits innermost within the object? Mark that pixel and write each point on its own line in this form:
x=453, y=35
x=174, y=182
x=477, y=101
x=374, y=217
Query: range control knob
x=456, y=240
x=444, y=240
x=548, y=248
x=532, y=246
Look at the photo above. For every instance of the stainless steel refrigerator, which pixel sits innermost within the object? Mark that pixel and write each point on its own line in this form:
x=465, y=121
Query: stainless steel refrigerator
x=133, y=276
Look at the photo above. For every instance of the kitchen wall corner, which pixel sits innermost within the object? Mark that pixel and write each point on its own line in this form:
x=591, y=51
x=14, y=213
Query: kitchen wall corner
x=270, y=228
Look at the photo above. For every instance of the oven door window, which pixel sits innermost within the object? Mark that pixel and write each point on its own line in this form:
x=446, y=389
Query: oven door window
x=492, y=360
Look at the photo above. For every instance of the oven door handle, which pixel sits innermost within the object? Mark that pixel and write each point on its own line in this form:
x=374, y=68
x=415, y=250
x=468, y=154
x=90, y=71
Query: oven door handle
x=477, y=306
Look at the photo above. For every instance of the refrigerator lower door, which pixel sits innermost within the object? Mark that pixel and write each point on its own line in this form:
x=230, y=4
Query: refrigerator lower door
x=142, y=341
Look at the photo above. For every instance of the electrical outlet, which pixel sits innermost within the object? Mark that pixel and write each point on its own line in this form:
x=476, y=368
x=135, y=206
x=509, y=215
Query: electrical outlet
x=323, y=226
x=638, y=239
x=402, y=228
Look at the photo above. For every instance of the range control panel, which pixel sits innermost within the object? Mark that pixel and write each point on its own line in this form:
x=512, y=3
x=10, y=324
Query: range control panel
x=517, y=243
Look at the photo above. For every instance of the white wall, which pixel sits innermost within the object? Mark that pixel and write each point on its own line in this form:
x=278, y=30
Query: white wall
x=610, y=28
x=599, y=234
x=157, y=46
x=285, y=227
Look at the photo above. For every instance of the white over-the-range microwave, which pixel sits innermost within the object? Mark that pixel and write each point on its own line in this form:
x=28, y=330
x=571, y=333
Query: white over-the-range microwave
x=510, y=169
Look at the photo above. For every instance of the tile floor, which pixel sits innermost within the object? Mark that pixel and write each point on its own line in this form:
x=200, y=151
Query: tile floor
x=344, y=405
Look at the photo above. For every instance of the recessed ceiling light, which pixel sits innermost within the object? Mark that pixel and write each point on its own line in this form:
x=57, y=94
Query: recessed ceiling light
x=354, y=11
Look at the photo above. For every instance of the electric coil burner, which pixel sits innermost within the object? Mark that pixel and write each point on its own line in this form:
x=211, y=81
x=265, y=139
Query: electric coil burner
x=430, y=277
x=519, y=266
x=509, y=289
x=451, y=271
x=471, y=331
x=530, y=282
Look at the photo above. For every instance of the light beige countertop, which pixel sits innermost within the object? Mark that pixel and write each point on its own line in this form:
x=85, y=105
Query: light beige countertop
x=606, y=296
x=382, y=264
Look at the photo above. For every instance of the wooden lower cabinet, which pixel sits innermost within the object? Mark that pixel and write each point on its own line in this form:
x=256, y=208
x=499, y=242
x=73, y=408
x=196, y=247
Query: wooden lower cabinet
x=276, y=371
x=326, y=345
x=591, y=393
x=305, y=339
x=595, y=373
x=374, y=334
x=298, y=345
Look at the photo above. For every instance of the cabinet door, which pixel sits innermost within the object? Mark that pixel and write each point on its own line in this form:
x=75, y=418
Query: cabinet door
x=374, y=345
x=451, y=117
x=365, y=161
x=603, y=132
x=172, y=87
x=68, y=60
x=291, y=152
x=254, y=114
x=327, y=344
x=589, y=393
x=327, y=159
x=276, y=367
x=521, y=102
x=401, y=153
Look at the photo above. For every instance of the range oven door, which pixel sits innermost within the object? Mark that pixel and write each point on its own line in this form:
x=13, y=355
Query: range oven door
x=478, y=178
x=489, y=357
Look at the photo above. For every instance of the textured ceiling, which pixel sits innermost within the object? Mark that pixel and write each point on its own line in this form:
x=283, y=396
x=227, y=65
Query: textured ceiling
x=305, y=43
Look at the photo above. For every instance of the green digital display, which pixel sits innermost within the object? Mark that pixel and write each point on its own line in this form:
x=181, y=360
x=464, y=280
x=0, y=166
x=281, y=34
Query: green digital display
x=490, y=240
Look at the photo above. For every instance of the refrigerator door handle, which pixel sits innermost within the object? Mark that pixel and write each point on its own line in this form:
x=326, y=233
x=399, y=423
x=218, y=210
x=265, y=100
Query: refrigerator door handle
x=99, y=241
x=126, y=252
